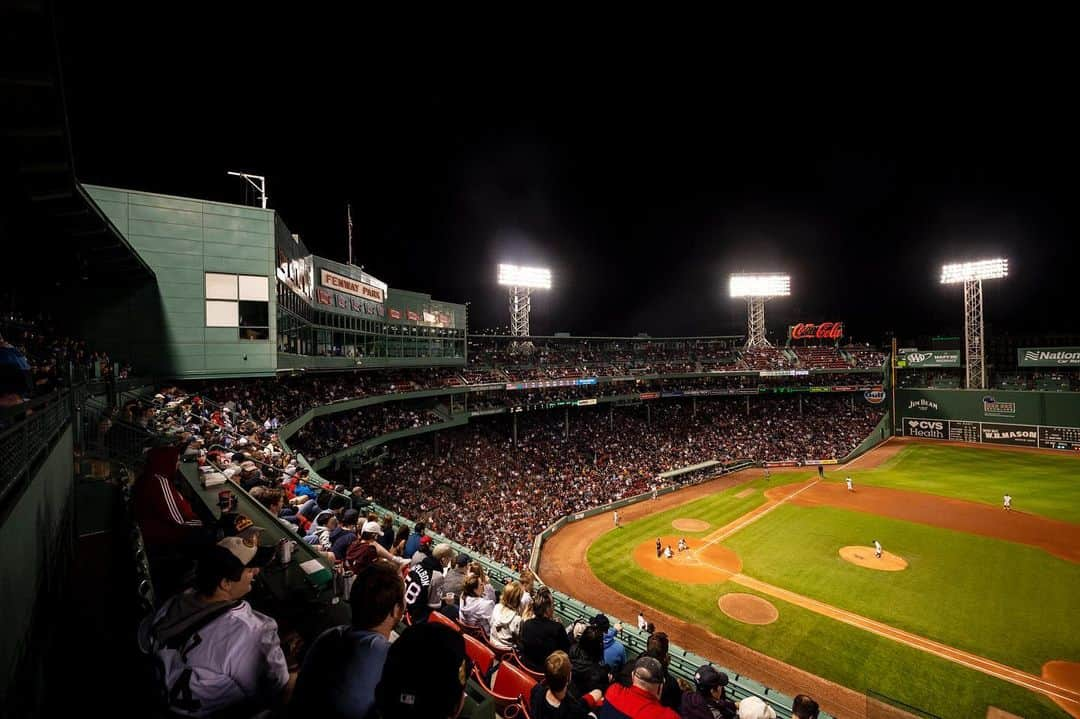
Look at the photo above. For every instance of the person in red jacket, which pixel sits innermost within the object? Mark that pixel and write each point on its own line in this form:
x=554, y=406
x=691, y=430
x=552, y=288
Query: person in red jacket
x=640, y=700
x=164, y=516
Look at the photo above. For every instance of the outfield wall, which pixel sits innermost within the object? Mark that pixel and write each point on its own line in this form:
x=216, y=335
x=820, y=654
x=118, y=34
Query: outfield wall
x=1049, y=420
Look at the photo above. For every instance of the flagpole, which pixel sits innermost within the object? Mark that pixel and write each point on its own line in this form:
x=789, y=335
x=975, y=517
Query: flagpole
x=348, y=217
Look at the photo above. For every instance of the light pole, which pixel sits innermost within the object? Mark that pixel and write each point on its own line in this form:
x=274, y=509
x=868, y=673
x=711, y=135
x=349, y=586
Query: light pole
x=972, y=274
x=757, y=288
x=521, y=281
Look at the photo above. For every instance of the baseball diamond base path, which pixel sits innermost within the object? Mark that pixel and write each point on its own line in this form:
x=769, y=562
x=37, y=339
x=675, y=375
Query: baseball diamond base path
x=1061, y=539
x=563, y=565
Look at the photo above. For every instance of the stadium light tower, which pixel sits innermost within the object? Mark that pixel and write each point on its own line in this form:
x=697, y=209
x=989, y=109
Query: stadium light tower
x=756, y=289
x=522, y=281
x=972, y=274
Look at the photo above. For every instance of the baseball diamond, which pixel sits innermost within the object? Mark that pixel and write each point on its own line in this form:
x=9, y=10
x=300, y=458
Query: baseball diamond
x=967, y=578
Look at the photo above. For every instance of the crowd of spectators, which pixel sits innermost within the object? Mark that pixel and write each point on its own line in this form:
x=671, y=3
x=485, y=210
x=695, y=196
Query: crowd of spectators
x=473, y=485
x=487, y=494
x=51, y=358
x=332, y=433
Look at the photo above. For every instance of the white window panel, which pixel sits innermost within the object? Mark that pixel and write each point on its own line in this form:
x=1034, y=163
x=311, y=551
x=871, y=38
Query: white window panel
x=222, y=314
x=254, y=288
x=220, y=287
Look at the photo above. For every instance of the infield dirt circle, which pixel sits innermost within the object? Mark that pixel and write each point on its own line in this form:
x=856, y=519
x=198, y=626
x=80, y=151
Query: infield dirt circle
x=700, y=564
x=747, y=608
x=864, y=557
x=690, y=525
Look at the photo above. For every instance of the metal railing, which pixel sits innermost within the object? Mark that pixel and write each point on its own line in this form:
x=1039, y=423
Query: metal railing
x=34, y=427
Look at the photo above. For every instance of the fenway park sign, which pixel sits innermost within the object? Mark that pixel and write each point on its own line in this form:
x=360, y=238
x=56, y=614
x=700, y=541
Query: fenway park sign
x=823, y=331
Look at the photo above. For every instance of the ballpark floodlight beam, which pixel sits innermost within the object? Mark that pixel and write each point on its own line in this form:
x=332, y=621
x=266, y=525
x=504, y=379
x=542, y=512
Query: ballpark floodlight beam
x=522, y=281
x=260, y=185
x=757, y=289
x=972, y=274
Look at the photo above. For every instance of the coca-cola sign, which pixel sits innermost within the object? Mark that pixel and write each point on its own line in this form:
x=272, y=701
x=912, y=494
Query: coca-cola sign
x=810, y=331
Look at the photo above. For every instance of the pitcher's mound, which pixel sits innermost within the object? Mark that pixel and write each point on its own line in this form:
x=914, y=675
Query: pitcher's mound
x=748, y=609
x=864, y=557
x=690, y=525
x=1064, y=674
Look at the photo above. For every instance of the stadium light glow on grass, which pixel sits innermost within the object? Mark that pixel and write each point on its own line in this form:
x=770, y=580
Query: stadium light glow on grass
x=981, y=270
x=533, y=277
x=759, y=285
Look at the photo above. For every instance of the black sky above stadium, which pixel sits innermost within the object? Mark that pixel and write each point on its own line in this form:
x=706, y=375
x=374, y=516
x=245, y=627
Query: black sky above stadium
x=642, y=179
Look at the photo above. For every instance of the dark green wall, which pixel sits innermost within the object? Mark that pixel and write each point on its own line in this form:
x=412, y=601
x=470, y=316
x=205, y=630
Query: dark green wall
x=163, y=329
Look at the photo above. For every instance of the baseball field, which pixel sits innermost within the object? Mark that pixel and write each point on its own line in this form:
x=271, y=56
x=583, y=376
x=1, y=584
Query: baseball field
x=970, y=607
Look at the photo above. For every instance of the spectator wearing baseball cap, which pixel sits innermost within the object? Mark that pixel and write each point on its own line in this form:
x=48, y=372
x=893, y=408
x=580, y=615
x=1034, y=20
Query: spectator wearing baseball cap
x=344, y=664
x=366, y=549
x=425, y=674
x=614, y=651
x=708, y=700
x=755, y=708
x=235, y=649
x=640, y=700
x=344, y=534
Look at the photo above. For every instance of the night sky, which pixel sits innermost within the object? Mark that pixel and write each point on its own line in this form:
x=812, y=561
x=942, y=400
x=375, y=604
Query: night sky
x=640, y=183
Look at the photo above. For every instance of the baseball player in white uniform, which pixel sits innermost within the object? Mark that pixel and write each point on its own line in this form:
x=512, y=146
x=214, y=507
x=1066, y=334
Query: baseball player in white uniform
x=215, y=651
x=850, y=488
x=1006, y=502
x=616, y=518
x=877, y=549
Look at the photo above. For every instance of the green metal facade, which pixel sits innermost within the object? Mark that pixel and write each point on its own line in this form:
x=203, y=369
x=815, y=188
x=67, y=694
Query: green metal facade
x=163, y=328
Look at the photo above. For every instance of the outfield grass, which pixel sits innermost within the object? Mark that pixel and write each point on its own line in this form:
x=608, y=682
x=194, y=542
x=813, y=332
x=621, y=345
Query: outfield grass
x=1043, y=484
x=1004, y=601
x=847, y=655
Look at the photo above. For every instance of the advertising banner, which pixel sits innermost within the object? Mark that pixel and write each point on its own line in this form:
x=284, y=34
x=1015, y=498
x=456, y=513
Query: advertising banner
x=925, y=428
x=916, y=359
x=1017, y=435
x=649, y=395
x=822, y=331
x=785, y=463
x=586, y=402
x=813, y=462
x=1048, y=357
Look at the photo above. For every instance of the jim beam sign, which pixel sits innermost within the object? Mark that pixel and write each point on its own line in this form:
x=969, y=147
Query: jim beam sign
x=922, y=404
x=925, y=428
x=1048, y=357
x=341, y=283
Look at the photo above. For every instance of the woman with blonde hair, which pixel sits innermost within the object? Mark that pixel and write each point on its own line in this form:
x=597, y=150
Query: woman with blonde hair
x=506, y=619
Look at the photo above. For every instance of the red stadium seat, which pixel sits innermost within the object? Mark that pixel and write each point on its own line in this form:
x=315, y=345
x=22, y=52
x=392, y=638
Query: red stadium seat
x=481, y=655
x=511, y=681
x=508, y=707
x=520, y=664
x=440, y=618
